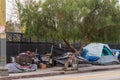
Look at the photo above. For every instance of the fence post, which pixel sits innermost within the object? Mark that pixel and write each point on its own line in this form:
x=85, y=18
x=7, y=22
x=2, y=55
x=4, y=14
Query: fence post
x=3, y=67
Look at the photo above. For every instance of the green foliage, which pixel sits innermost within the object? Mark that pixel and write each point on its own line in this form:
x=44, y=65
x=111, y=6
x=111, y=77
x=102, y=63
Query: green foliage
x=30, y=16
x=9, y=26
x=99, y=20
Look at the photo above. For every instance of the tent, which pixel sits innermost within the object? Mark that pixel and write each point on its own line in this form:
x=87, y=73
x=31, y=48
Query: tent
x=98, y=49
x=97, y=52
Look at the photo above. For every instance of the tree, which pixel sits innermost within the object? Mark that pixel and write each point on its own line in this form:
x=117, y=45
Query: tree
x=9, y=26
x=87, y=20
x=29, y=17
x=102, y=21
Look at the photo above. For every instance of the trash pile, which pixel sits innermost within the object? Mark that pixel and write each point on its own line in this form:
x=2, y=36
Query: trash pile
x=25, y=62
x=92, y=54
x=95, y=54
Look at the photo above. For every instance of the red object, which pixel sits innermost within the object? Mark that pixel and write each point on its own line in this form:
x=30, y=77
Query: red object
x=28, y=52
x=25, y=67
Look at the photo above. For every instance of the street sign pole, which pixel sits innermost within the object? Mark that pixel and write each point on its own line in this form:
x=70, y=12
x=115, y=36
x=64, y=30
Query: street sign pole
x=3, y=67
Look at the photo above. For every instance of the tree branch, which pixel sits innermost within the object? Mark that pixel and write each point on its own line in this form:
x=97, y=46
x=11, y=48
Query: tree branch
x=69, y=45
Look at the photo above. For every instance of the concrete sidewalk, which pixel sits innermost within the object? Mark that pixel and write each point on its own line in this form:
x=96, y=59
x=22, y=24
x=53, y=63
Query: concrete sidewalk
x=56, y=71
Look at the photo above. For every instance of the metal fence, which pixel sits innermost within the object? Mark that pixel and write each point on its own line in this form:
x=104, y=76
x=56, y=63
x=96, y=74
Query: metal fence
x=17, y=37
x=17, y=43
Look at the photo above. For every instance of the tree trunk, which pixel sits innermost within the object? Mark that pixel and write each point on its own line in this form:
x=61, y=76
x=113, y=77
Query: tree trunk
x=76, y=52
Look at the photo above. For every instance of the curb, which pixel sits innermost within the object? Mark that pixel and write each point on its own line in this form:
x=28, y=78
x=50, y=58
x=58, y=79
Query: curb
x=80, y=70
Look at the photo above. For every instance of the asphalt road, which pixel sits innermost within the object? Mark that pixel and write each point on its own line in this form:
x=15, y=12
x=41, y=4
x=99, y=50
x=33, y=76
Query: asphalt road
x=101, y=75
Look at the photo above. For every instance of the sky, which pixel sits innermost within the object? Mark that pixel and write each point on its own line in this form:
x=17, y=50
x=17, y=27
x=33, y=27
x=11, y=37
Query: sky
x=10, y=10
x=10, y=13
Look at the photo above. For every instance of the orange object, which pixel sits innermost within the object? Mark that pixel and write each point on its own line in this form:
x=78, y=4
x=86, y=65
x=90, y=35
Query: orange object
x=43, y=66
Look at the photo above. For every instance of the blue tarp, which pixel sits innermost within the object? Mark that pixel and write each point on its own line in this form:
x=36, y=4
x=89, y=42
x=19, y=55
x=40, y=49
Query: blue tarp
x=94, y=51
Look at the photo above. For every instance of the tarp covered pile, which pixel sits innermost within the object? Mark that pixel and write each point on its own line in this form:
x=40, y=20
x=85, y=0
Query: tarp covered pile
x=15, y=67
x=93, y=53
x=23, y=63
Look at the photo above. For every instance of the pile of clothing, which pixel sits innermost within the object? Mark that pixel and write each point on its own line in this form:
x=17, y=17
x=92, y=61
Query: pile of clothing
x=24, y=62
